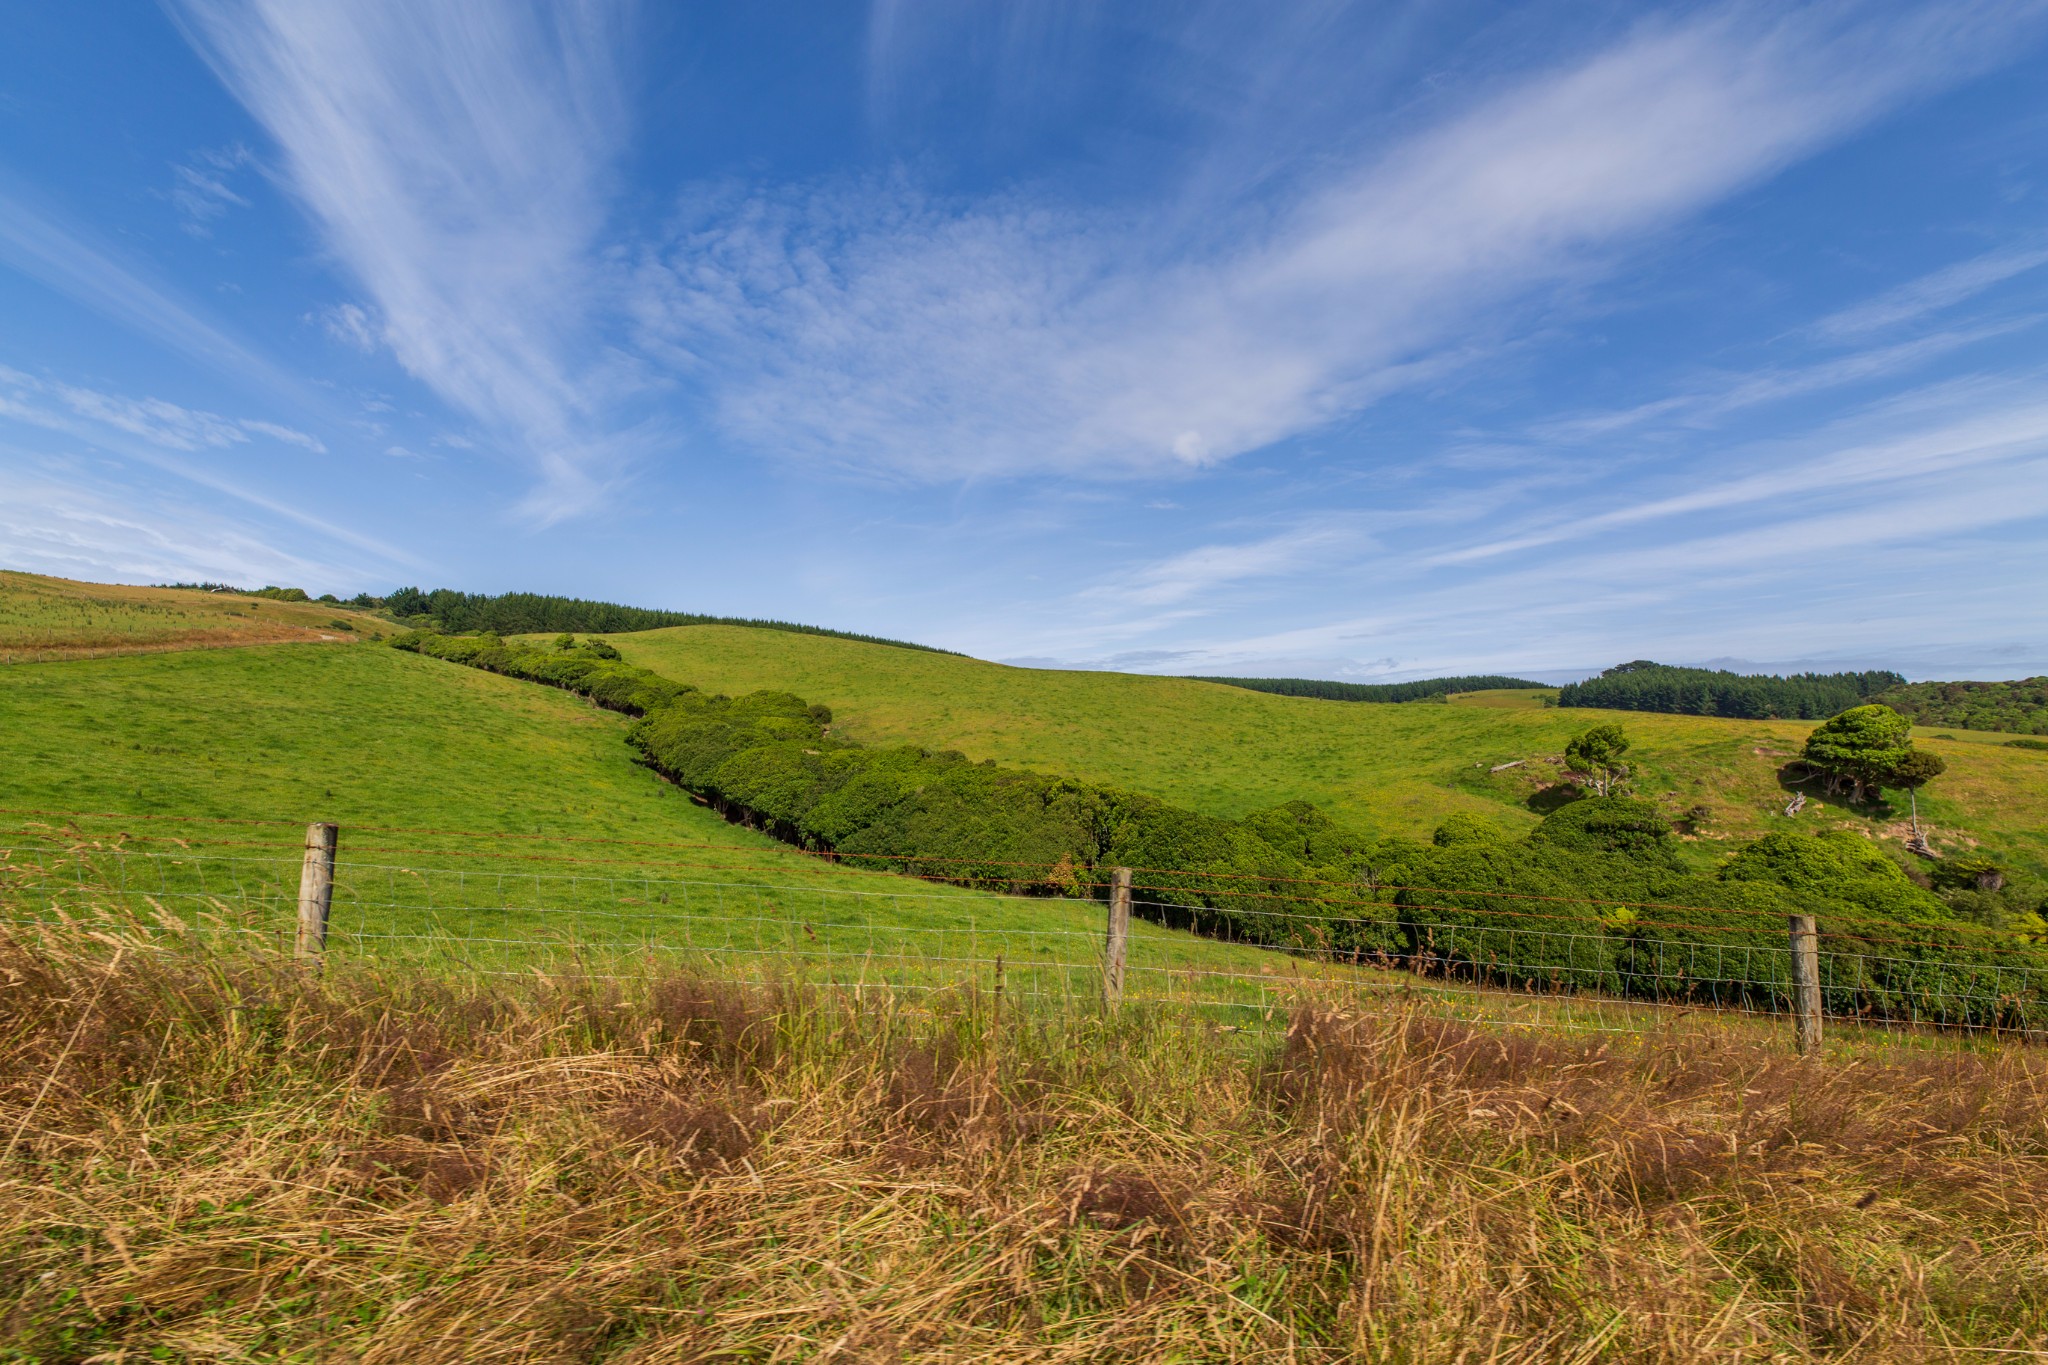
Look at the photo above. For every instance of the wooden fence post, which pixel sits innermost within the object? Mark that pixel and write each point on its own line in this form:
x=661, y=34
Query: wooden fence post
x=1118, y=947
x=316, y=888
x=1806, y=983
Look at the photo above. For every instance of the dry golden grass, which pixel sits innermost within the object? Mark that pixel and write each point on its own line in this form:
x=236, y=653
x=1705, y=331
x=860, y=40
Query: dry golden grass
x=44, y=619
x=235, y=1159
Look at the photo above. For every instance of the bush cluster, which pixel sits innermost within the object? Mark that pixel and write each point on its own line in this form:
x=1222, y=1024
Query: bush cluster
x=1595, y=897
x=1646, y=686
x=2019, y=707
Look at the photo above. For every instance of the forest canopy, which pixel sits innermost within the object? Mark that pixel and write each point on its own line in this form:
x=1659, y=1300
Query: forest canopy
x=526, y=613
x=1421, y=690
x=1647, y=686
x=2019, y=708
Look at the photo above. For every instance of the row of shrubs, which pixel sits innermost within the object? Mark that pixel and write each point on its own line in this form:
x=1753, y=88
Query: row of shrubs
x=1595, y=898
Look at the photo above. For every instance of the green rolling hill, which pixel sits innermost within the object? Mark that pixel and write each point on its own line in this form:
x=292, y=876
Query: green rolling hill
x=481, y=817
x=1389, y=768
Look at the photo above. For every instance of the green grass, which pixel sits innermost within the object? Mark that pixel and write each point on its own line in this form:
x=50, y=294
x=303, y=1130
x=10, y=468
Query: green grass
x=495, y=825
x=1505, y=698
x=41, y=617
x=577, y=851
x=1395, y=769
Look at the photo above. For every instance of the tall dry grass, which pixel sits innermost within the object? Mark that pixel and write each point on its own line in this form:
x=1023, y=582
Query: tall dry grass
x=227, y=1159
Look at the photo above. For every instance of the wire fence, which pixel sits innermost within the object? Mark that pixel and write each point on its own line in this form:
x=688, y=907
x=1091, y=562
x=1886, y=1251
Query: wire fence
x=645, y=906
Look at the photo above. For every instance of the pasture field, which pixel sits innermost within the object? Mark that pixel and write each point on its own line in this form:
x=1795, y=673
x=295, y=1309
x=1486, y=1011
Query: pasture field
x=593, y=1075
x=42, y=618
x=1505, y=698
x=495, y=825
x=1388, y=768
x=485, y=822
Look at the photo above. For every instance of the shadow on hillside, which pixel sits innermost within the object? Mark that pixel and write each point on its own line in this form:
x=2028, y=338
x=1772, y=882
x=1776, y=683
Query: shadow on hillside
x=1557, y=795
x=1796, y=779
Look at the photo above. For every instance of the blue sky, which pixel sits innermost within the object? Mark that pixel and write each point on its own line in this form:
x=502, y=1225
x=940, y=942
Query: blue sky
x=1357, y=341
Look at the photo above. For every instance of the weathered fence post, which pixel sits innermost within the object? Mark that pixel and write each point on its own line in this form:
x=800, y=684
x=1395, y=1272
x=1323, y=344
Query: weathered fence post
x=316, y=888
x=1118, y=947
x=1806, y=983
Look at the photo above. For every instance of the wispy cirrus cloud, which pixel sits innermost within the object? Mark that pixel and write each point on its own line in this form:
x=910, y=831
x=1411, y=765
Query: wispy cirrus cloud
x=1718, y=396
x=155, y=420
x=872, y=326
x=46, y=246
x=1931, y=293
x=1867, y=512
x=1204, y=570
x=76, y=528
x=163, y=435
x=350, y=325
x=455, y=161
x=200, y=188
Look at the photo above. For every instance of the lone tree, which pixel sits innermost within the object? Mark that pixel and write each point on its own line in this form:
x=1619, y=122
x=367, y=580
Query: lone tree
x=1866, y=749
x=1597, y=753
x=1913, y=772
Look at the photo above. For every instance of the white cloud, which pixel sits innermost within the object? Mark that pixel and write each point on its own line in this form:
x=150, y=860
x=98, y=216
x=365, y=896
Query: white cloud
x=1930, y=293
x=1731, y=393
x=200, y=190
x=454, y=158
x=159, y=434
x=1207, y=569
x=56, y=526
x=1916, y=520
x=876, y=327
x=350, y=325
x=60, y=254
x=286, y=434
x=1984, y=426
x=60, y=407
x=160, y=423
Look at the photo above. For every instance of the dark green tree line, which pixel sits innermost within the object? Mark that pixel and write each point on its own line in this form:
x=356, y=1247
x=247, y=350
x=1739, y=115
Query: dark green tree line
x=525, y=613
x=1646, y=686
x=1421, y=690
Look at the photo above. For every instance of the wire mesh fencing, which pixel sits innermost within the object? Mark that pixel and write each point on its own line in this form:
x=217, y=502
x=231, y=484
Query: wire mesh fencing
x=642, y=908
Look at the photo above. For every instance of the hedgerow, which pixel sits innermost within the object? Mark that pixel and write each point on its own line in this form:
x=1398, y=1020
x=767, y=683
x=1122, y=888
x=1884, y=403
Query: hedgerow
x=1595, y=898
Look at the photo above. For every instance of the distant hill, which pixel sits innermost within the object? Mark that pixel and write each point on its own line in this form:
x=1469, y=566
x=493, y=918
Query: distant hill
x=48, y=618
x=526, y=613
x=1646, y=686
x=2016, y=707
x=1420, y=690
x=1397, y=770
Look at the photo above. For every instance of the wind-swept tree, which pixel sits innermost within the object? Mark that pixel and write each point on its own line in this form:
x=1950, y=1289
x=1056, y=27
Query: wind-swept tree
x=1862, y=750
x=1913, y=772
x=1597, y=754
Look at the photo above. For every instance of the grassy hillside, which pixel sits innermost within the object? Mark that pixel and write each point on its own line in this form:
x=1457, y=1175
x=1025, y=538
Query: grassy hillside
x=408, y=754
x=1397, y=769
x=43, y=618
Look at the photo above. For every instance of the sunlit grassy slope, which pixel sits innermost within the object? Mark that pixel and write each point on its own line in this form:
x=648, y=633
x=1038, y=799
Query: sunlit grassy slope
x=1397, y=769
x=486, y=812
x=43, y=617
